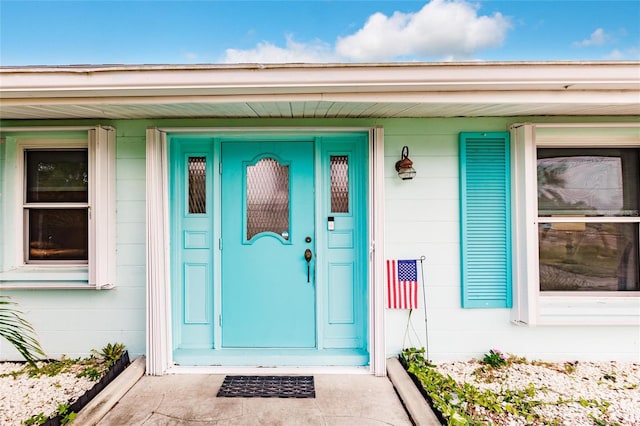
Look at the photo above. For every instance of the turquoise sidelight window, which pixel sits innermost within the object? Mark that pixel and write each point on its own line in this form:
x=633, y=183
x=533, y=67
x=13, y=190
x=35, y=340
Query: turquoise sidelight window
x=339, y=173
x=197, y=169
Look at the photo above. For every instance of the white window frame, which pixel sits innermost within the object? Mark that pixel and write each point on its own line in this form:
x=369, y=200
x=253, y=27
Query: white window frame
x=531, y=306
x=39, y=145
x=99, y=271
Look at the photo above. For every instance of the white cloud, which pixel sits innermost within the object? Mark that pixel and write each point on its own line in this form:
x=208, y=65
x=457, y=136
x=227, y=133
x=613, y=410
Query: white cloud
x=630, y=54
x=442, y=29
x=597, y=38
x=615, y=54
x=294, y=52
x=633, y=53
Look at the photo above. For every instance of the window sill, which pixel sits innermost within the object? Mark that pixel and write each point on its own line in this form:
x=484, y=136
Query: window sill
x=589, y=309
x=47, y=278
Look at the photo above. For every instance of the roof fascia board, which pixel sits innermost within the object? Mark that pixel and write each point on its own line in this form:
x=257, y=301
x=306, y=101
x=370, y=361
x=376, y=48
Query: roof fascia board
x=264, y=130
x=18, y=129
x=245, y=79
x=530, y=97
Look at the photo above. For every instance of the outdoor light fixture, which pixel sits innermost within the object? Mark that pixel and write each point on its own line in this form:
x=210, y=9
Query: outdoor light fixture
x=404, y=166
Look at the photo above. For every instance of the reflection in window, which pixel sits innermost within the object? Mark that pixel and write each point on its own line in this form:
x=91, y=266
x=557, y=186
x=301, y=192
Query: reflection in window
x=588, y=181
x=582, y=196
x=197, y=185
x=267, y=198
x=56, y=205
x=588, y=256
x=57, y=176
x=58, y=234
x=339, y=171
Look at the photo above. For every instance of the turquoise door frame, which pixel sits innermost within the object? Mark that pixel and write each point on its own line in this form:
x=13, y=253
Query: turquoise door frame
x=336, y=331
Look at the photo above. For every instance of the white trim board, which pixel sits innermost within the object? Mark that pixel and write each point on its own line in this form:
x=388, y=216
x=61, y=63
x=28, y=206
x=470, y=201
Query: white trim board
x=159, y=358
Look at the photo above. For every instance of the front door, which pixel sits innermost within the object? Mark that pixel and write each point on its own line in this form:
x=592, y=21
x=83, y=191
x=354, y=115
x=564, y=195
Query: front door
x=269, y=249
x=268, y=289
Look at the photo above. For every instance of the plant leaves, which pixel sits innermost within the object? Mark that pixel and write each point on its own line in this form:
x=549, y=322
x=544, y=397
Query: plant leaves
x=19, y=332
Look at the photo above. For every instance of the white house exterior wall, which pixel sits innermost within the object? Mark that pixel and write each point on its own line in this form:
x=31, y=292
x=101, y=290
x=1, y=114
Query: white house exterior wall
x=421, y=218
x=72, y=322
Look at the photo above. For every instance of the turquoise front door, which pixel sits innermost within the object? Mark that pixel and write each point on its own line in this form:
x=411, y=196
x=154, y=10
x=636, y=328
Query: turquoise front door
x=268, y=290
x=269, y=248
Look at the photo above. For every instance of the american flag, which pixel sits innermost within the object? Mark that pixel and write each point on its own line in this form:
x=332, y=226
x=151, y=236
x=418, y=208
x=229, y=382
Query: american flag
x=402, y=284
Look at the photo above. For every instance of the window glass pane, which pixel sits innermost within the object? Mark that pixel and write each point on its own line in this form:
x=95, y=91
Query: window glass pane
x=267, y=198
x=588, y=256
x=197, y=184
x=339, y=183
x=593, y=182
x=58, y=234
x=57, y=176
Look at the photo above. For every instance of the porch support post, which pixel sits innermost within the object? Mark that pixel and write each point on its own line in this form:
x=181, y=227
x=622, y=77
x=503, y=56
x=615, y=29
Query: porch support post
x=376, y=253
x=157, y=237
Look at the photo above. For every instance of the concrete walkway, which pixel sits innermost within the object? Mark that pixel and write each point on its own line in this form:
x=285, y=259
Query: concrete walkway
x=190, y=399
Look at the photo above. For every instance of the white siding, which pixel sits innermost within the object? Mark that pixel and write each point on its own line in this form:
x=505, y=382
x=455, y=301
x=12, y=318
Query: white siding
x=421, y=218
x=72, y=322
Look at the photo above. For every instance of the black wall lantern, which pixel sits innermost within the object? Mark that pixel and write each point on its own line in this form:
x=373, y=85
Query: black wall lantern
x=404, y=166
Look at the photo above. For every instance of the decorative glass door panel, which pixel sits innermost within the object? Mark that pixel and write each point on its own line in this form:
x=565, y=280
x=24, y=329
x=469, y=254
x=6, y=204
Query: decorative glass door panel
x=267, y=203
x=339, y=173
x=197, y=185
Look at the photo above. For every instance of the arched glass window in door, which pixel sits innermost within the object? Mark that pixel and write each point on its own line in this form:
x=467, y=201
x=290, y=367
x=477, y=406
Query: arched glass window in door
x=267, y=198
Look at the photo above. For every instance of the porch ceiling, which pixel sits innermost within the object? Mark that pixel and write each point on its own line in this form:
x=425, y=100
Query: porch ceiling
x=321, y=90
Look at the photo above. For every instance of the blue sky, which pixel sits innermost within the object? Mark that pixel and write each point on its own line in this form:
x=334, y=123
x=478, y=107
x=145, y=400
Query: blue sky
x=189, y=32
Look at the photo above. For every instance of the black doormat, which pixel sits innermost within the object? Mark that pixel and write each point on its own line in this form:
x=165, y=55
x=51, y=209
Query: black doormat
x=268, y=387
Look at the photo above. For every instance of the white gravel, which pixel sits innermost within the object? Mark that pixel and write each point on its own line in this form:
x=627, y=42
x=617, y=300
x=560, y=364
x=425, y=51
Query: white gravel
x=614, y=383
x=23, y=397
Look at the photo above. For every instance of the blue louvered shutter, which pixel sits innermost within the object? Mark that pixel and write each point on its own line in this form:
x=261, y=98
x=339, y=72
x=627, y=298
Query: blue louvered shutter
x=485, y=220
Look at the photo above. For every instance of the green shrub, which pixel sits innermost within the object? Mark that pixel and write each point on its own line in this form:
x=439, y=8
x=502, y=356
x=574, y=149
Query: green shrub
x=494, y=358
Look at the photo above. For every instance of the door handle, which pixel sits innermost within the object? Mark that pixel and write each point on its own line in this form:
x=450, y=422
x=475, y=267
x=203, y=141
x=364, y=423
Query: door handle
x=307, y=256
